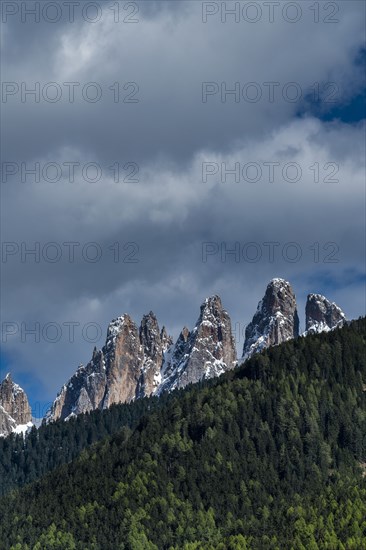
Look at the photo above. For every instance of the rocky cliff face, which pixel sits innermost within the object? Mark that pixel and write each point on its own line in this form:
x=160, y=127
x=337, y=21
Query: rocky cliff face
x=135, y=363
x=127, y=367
x=173, y=357
x=138, y=362
x=207, y=351
x=15, y=412
x=275, y=321
x=321, y=314
x=84, y=391
x=7, y=423
x=124, y=359
x=154, y=345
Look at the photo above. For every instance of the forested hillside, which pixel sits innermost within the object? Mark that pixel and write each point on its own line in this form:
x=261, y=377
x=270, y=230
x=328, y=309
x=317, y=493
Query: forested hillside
x=25, y=460
x=268, y=456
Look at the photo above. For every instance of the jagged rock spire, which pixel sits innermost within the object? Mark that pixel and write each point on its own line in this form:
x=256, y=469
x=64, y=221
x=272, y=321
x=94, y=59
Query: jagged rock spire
x=207, y=351
x=321, y=314
x=15, y=411
x=127, y=367
x=154, y=342
x=275, y=321
x=141, y=361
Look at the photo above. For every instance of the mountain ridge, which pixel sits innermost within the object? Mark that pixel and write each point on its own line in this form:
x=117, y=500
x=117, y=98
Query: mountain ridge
x=208, y=350
x=139, y=361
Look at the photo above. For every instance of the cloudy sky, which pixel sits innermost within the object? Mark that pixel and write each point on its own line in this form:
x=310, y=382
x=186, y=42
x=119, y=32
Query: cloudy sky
x=145, y=141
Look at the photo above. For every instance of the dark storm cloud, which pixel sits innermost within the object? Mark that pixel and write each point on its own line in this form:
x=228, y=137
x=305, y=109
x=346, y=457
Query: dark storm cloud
x=171, y=212
x=169, y=53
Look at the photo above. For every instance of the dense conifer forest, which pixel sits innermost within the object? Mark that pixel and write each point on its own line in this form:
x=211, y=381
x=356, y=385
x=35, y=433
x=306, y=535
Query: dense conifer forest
x=25, y=460
x=270, y=456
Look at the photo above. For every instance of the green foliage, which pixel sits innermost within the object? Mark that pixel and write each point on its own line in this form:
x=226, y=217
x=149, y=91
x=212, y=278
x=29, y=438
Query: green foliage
x=267, y=457
x=54, y=539
x=23, y=461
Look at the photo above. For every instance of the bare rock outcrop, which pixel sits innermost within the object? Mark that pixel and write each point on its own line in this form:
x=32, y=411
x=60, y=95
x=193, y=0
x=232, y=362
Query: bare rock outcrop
x=275, y=321
x=207, y=351
x=322, y=315
x=15, y=411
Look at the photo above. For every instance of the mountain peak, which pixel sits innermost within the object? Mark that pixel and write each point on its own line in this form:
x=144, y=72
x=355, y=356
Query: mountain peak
x=321, y=314
x=15, y=411
x=278, y=281
x=212, y=301
x=150, y=314
x=138, y=361
x=127, y=367
x=276, y=319
x=211, y=308
x=116, y=326
x=207, y=351
x=166, y=339
x=185, y=333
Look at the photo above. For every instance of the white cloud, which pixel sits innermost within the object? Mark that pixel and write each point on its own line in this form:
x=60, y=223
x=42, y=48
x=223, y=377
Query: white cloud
x=170, y=214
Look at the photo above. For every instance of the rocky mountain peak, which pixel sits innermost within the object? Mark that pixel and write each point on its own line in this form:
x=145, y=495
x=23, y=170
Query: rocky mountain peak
x=138, y=361
x=127, y=367
x=111, y=375
x=321, y=314
x=212, y=304
x=150, y=335
x=15, y=411
x=154, y=343
x=116, y=326
x=275, y=321
x=278, y=297
x=211, y=320
x=184, y=334
x=123, y=357
x=207, y=351
x=166, y=340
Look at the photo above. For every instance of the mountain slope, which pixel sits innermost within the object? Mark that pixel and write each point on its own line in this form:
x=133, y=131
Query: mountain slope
x=23, y=460
x=264, y=457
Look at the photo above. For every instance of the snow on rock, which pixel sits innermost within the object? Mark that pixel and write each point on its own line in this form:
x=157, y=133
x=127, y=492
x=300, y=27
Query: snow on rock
x=154, y=344
x=207, y=351
x=23, y=428
x=127, y=367
x=15, y=411
x=275, y=321
x=141, y=361
x=322, y=315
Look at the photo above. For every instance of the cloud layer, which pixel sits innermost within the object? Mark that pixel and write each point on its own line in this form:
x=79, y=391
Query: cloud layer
x=227, y=171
